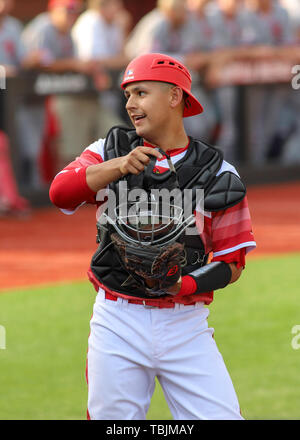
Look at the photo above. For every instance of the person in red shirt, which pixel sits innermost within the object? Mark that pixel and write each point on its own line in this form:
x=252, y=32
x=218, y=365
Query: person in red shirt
x=136, y=337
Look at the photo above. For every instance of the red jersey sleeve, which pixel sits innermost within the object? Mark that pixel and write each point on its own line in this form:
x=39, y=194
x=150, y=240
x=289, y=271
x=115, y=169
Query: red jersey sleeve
x=69, y=188
x=231, y=232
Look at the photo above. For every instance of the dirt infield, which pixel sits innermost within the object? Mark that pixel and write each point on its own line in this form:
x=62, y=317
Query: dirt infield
x=50, y=247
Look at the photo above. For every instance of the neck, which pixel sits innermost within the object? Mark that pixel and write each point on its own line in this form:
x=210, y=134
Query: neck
x=200, y=12
x=266, y=9
x=170, y=140
x=230, y=13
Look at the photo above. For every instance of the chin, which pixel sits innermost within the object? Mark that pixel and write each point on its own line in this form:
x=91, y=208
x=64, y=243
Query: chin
x=140, y=131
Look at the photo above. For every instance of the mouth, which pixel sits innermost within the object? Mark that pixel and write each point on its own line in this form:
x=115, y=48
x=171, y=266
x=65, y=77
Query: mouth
x=138, y=118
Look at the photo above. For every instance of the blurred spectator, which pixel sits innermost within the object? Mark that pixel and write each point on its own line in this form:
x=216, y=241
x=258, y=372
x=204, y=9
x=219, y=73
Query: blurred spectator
x=100, y=31
x=10, y=32
x=99, y=35
x=273, y=24
x=233, y=34
x=173, y=30
x=199, y=9
x=265, y=102
x=288, y=132
x=139, y=40
x=47, y=38
x=293, y=9
x=10, y=55
x=48, y=47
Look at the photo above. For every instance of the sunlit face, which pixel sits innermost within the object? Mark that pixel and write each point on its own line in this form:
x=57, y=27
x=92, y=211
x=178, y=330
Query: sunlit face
x=148, y=106
x=195, y=5
x=110, y=9
x=176, y=15
x=229, y=6
x=65, y=17
x=6, y=6
x=259, y=5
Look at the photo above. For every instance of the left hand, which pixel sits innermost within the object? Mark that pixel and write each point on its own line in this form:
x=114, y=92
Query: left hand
x=173, y=290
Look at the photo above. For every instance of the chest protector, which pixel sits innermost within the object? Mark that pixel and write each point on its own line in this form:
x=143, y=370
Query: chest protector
x=197, y=170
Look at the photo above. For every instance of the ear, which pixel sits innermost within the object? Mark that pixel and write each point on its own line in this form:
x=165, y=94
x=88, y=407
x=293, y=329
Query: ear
x=176, y=96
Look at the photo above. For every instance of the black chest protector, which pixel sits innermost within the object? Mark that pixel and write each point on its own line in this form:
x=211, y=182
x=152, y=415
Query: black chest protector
x=197, y=170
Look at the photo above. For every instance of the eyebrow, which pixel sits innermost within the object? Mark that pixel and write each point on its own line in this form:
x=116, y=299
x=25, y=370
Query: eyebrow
x=134, y=90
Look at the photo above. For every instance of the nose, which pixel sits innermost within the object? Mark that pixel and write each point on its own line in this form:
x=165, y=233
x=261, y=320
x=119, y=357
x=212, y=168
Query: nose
x=130, y=104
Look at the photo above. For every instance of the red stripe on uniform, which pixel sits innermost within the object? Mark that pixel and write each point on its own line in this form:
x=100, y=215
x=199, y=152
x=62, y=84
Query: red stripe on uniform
x=232, y=231
x=237, y=240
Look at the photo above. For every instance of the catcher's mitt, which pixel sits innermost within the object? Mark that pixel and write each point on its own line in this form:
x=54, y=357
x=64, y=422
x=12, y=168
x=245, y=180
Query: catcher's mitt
x=158, y=268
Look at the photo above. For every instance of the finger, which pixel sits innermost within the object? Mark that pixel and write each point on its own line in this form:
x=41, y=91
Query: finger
x=137, y=163
x=133, y=170
x=143, y=158
x=151, y=151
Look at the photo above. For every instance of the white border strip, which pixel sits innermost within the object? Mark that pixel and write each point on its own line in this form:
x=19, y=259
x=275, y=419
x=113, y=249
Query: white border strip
x=69, y=212
x=250, y=244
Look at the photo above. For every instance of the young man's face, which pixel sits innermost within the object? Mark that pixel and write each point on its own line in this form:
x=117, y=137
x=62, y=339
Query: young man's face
x=65, y=17
x=148, y=106
x=229, y=6
x=110, y=9
x=6, y=7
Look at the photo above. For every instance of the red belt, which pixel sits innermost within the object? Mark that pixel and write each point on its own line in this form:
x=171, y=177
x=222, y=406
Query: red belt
x=148, y=303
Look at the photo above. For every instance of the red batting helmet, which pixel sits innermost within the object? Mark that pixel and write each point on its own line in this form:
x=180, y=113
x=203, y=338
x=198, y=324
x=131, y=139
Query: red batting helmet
x=160, y=67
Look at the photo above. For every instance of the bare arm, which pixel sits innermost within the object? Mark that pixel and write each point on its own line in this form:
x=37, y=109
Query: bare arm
x=236, y=272
x=100, y=175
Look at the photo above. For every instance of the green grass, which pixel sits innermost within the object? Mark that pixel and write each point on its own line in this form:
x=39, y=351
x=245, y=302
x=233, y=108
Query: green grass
x=42, y=369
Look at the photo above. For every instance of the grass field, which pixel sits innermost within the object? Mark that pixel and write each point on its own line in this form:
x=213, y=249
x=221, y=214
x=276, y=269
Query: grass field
x=42, y=368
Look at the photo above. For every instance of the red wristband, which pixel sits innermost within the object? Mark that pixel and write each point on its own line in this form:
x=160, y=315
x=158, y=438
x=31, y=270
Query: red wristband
x=188, y=286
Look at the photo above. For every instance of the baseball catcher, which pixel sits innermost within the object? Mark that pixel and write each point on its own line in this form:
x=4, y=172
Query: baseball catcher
x=159, y=259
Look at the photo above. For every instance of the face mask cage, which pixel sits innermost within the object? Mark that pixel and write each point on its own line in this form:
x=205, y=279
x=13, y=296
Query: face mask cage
x=149, y=223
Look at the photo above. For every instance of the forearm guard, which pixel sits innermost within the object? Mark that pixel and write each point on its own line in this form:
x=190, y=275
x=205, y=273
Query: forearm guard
x=211, y=277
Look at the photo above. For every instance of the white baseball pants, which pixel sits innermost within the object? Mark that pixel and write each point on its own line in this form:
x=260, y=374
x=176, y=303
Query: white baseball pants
x=130, y=345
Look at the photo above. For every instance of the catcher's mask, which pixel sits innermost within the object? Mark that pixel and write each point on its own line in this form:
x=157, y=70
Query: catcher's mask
x=152, y=222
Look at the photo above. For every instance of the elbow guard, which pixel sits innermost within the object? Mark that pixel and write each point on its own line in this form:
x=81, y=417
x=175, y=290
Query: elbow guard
x=213, y=276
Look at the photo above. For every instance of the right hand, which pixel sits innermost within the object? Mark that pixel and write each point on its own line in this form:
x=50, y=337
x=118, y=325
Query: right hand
x=136, y=161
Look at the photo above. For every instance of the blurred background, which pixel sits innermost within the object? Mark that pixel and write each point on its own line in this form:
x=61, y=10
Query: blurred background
x=60, y=67
x=61, y=62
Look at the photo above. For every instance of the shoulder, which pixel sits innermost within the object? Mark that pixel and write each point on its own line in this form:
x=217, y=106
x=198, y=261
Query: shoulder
x=280, y=11
x=96, y=148
x=147, y=23
x=39, y=24
x=13, y=24
x=213, y=13
x=151, y=19
x=87, y=18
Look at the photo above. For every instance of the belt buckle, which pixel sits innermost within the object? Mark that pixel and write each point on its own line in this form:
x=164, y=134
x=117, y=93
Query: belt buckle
x=149, y=307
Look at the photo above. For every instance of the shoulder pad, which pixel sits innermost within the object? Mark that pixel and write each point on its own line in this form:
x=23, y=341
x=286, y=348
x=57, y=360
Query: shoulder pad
x=225, y=191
